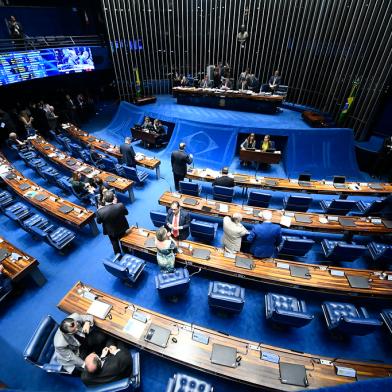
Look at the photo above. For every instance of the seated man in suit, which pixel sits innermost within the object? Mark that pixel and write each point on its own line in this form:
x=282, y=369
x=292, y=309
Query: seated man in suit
x=265, y=236
x=226, y=84
x=178, y=221
x=75, y=339
x=224, y=179
x=5, y=282
x=128, y=153
x=82, y=189
x=273, y=83
x=95, y=156
x=113, y=364
x=267, y=144
x=13, y=141
x=206, y=83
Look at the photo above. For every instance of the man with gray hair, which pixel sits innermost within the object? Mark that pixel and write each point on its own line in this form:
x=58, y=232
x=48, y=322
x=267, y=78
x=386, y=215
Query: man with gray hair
x=112, y=216
x=233, y=231
x=128, y=153
x=265, y=237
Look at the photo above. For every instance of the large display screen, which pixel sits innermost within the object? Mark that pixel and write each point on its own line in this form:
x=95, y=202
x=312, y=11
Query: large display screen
x=33, y=64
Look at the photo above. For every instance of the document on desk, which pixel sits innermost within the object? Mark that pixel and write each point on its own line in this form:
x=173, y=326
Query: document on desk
x=135, y=328
x=223, y=208
x=285, y=221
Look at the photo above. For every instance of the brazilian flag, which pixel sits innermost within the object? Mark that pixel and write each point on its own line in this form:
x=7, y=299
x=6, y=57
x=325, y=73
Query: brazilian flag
x=137, y=83
x=349, y=102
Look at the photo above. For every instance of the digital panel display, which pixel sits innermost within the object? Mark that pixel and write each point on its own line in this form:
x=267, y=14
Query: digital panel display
x=33, y=64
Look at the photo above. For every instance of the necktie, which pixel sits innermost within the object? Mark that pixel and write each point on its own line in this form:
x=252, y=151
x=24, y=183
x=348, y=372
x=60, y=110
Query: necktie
x=175, y=225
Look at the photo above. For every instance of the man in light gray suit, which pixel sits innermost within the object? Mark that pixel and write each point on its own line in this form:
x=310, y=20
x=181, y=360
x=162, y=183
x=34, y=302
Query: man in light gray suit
x=75, y=339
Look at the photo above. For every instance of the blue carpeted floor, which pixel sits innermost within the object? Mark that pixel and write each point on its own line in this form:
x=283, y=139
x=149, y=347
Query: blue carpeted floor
x=21, y=314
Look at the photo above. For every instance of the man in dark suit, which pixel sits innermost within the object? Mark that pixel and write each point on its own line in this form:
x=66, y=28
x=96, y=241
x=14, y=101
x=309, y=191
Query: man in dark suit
x=178, y=222
x=5, y=282
x=128, y=153
x=224, y=179
x=274, y=81
x=112, y=216
x=113, y=364
x=179, y=161
x=264, y=237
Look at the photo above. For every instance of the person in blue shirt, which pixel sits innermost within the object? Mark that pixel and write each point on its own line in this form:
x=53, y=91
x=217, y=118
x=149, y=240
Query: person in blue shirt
x=265, y=237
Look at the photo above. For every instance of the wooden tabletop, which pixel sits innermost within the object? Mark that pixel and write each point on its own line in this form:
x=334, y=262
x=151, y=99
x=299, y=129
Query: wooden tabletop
x=253, y=370
x=226, y=94
x=272, y=271
x=72, y=164
x=363, y=225
x=16, y=269
x=107, y=148
x=78, y=217
x=291, y=185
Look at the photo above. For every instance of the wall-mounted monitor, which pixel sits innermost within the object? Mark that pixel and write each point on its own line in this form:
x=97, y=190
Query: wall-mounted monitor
x=33, y=64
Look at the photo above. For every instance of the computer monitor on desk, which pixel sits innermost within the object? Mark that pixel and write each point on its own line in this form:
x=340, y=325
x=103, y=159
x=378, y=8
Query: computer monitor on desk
x=339, y=182
x=304, y=179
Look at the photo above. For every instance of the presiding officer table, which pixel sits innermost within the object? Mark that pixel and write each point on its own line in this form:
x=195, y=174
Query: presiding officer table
x=292, y=185
x=250, y=370
x=71, y=164
x=28, y=190
x=259, y=156
x=228, y=99
x=316, y=222
x=19, y=264
x=271, y=271
x=110, y=149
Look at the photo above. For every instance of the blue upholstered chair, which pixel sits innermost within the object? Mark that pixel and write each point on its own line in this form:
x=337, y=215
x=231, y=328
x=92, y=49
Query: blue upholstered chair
x=226, y=296
x=17, y=211
x=85, y=156
x=64, y=183
x=190, y=188
x=223, y=193
x=130, y=383
x=36, y=163
x=5, y=199
x=386, y=316
x=297, y=203
x=283, y=309
x=33, y=220
x=127, y=268
x=109, y=164
x=173, y=283
x=342, y=251
x=259, y=199
x=75, y=149
x=295, y=246
x=58, y=237
x=5, y=289
x=202, y=230
x=49, y=173
x=181, y=382
x=370, y=208
x=381, y=253
x=40, y=349
x=27, y=154
x=346, y=318
x=138, y=176
x=337, y=206
x=158, y=218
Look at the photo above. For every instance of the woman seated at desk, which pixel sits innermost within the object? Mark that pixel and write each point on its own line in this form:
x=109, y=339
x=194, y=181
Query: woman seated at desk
x=248, y=144
x=147, y=123
x=267, y=144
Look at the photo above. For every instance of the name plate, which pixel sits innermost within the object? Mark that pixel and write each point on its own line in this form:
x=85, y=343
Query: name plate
x=336, y=272
x=270, y=357
x=346, y=372
x=283, y=265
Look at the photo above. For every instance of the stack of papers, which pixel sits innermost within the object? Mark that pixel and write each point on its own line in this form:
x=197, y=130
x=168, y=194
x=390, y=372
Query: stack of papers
x=285, y=221
x=223, y=208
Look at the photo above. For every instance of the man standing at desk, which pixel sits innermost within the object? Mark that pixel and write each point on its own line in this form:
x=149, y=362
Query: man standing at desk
x=179, y=161
x=178, y=222
x=128, y=153
x=265, y=237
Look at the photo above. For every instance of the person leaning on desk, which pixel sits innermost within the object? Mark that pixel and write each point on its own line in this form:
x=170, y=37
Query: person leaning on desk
x=248, y=143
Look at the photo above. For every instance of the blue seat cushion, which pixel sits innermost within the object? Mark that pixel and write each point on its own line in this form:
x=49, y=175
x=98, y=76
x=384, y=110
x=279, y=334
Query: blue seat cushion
x=225, y=295
x=184, y=383
x=178, y=277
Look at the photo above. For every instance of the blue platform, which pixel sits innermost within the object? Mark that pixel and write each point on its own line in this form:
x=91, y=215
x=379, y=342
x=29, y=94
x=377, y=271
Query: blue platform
x=211, y=136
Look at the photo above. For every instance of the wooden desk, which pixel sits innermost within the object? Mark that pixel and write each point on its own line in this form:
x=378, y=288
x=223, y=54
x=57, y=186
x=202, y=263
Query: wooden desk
x=144, y=136
x=252, y=371
x=230, y=99
x=71, y=164
x=287, y=185
x=109, y=149
x=269, y=271
x=25, y=265
x=362, y=226
x=260, y=156
x=78, y=217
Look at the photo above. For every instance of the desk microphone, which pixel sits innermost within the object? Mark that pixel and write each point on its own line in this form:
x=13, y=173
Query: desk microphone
x=167, y=182
x=137, y=225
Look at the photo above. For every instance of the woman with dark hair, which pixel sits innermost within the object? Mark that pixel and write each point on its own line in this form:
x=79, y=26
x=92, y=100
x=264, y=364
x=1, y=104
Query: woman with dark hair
x=166, y=249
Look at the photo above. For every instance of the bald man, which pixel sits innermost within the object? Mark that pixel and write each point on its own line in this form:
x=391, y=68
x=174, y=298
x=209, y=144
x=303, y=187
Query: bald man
x=179, y=161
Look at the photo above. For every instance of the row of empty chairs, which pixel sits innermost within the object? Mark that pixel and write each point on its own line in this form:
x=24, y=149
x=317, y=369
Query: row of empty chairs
x=294, y=246
x=36, y=224
x=104, y=163
x=291, y=202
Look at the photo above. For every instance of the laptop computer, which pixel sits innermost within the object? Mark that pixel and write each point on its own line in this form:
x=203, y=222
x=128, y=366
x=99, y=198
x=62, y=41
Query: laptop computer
x=157, y=335
x=304, y=180
x=339, y=182
x=244, y=262
x=224, y=355
x=293, y=374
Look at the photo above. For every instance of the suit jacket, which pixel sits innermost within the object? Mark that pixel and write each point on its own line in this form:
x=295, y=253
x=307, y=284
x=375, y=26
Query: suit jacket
x=5, y=284
x=224, y=181
x=184, y=221
x=264, y=238
x=113, y=219
x=179, y=161
x=128, y=155
x=277, y=81
x=67, y=346
x=114, y=368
